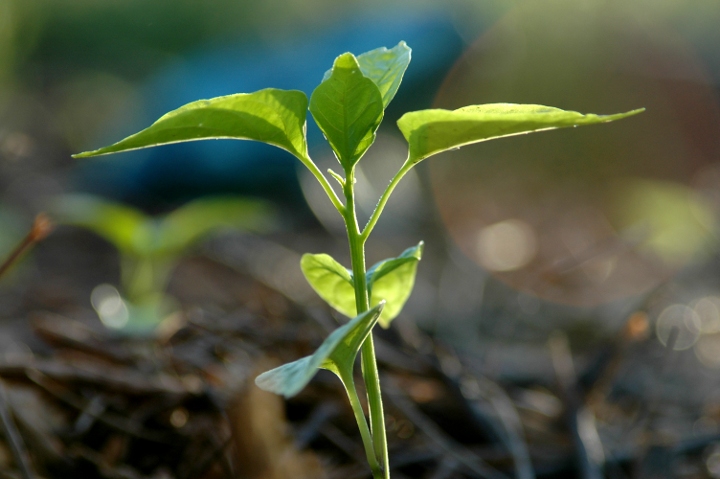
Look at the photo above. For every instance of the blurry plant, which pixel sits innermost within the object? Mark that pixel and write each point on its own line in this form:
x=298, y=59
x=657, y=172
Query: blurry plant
x=663, y=219
x=150, y=247
x=348, y=106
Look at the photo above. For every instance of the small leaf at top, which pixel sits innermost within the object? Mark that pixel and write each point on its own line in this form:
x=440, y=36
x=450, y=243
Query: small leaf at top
x=392, y=280
x=190, y=222
x=336, y=353
x=348, y=108
x=429, y=132
x=331, y=280
x=272, y=116
x=386, y=68
x=128, y=229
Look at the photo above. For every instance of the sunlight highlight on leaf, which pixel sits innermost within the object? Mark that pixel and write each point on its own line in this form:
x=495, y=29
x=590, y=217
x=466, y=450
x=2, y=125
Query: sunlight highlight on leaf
x=276, y=117
x=392, y=280
x=348, y=108
x=429, y=132
x=331, y=280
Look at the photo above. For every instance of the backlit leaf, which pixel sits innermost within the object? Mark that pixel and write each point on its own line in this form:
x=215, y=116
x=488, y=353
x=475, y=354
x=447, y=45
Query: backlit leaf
x=331, y=280
x=272, y=116
x=392, y=280
x=336, y=353
x=429, y=132
x=348, y=108
x=386, y=68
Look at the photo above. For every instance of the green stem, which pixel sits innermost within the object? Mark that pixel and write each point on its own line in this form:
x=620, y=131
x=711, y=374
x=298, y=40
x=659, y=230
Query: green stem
x=347, y=378
x=384, y=199
x=324, y=183
x=369, y=363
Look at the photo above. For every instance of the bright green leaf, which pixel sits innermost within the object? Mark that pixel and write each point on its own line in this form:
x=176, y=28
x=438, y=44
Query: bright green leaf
x=272, y=116
x=189, y=223
x=126, y=228
x=433, y=131
x=386, y=68
x=331, y=280
x=348, y=108
x=336, y=353
x=392, y=280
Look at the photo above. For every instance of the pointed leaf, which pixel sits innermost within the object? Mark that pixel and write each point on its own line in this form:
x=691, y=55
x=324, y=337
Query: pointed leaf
x=189, y=223
x=385, y=67
x=128, y=229
x=338, y=351
x=433, y=131
x=272, y=116
x=331, y=280
x=392, y=280
x=348, y=108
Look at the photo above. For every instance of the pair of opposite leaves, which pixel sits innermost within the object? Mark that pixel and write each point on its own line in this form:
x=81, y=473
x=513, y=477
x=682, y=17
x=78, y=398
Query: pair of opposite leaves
x=348, y=106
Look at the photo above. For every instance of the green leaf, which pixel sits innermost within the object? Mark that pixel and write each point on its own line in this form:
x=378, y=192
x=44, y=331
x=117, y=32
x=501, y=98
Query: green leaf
x=192, y=221
x=392, y=280
x=128, y=229
x=433, y=131
x=331, y=280
x=336, y=353
x=133, y=232
x=272, y=116
x=386, y=68
x=348, y=108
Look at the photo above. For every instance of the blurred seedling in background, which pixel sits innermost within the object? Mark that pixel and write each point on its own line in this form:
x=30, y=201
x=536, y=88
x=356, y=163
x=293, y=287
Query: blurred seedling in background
x=348, y=106
x=151, y=246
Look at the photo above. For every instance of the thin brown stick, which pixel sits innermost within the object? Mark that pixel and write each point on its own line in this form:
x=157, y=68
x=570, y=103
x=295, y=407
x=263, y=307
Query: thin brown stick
x=40, y=229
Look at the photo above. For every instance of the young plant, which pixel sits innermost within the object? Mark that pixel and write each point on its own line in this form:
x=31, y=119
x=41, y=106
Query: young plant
x=348, y=106
x=151, y=246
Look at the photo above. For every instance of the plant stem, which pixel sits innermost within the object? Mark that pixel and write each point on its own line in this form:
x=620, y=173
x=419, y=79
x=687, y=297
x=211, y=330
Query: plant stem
x=324, y=183
x=369, y=363
x=349, y=382
x=384, y=199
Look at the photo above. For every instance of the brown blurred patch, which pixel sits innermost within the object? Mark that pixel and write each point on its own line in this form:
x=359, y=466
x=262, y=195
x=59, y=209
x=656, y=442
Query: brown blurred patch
x=559, y=186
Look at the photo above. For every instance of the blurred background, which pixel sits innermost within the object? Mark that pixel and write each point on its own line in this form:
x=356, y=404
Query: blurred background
x=569, y=233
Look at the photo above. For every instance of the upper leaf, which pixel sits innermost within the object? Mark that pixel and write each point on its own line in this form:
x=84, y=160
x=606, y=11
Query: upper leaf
x=331, y=280
x=433, y=131
x=336, y=353
x=272, y=116
x=392, y=280
x=348, y=108
x=386, y=68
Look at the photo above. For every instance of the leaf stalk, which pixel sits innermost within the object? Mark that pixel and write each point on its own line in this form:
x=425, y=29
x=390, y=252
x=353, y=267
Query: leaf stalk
x=384, y=199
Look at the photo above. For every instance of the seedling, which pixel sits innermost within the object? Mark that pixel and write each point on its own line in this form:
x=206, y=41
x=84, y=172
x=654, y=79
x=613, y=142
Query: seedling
x=151, y=246
x=348, y=106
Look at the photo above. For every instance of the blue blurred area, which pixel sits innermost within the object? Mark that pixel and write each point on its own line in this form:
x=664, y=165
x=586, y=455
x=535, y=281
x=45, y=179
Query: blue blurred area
x=168, y=174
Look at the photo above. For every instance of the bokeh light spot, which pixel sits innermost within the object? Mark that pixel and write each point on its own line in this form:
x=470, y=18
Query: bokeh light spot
x=680, y=323
x=507, y=245
x=109, y=305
